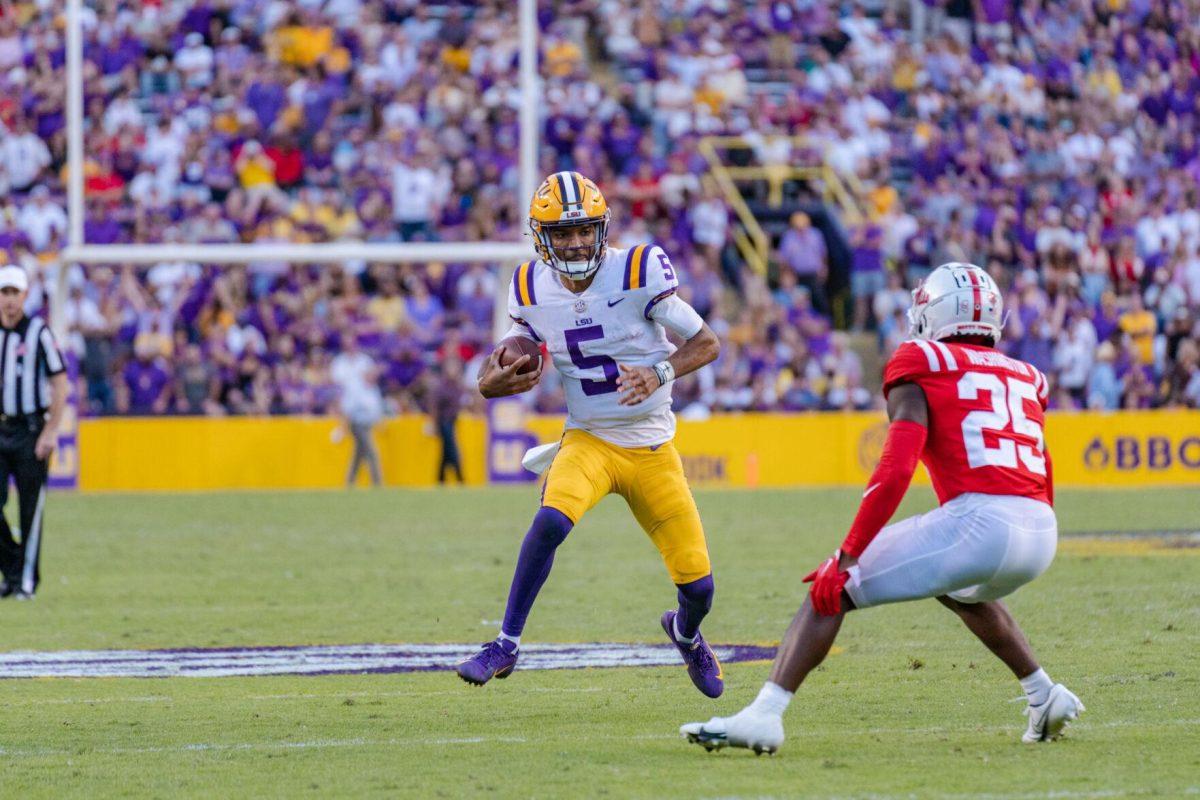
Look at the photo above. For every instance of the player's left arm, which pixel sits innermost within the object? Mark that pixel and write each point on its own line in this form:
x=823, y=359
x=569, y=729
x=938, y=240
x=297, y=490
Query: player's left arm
x=56, y=369
x=701, y=346
x=48, y=439
x=909, y=415
x=1049, y=476
x=1044, y=401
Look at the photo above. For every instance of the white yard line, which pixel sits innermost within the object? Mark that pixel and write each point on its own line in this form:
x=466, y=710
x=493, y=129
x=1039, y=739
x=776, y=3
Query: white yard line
x=84, y=701
x=319, y=744
x=338, y=696
x=1051, y=794
x=538, y=741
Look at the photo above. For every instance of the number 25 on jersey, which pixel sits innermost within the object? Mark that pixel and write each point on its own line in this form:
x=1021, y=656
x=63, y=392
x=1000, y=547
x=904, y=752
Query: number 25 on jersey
x=1005, y=419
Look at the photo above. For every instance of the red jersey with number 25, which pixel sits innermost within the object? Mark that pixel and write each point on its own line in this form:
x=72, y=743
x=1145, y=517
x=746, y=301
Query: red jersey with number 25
x=986, y=418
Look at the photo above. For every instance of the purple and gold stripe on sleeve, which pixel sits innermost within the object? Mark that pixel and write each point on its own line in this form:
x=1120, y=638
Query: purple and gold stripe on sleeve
x=635, y=268
x=526, y=326
x=658, y=298
x=523, y=285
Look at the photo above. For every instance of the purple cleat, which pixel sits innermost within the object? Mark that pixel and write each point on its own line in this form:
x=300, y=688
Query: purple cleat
x=702, y=665
x=496, y=659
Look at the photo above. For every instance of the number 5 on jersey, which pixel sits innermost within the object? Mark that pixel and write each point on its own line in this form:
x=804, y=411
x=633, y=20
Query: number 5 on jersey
x=1008, y=406
x=591, y=388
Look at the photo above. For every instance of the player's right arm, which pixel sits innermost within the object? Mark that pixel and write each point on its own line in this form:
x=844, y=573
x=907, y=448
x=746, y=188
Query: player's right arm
x=495, y=380
x=908, y=413
x=906, y=436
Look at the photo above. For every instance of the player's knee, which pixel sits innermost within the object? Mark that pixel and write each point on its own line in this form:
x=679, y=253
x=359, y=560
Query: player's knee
x=551, y=526
x=950, y=603
x=688, y=566
x=847, y=602
x=967, y=612
x=698, y=593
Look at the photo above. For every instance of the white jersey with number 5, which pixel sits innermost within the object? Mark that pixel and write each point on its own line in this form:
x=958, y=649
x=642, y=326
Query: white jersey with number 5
x=619, y=319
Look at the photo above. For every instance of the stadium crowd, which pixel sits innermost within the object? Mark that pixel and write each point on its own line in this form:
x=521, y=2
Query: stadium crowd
x=1053, y=142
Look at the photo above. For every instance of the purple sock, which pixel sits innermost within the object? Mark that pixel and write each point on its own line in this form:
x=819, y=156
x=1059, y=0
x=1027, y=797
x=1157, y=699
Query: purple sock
x=695, y=599
x=550, y=527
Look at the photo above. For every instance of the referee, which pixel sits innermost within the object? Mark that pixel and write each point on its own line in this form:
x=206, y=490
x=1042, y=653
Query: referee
x=33, y=396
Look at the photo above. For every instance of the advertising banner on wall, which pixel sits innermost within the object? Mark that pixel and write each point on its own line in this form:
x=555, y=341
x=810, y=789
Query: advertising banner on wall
x=508, y=439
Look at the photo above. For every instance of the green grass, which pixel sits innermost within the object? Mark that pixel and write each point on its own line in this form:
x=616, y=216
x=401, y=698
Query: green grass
x=911, y=706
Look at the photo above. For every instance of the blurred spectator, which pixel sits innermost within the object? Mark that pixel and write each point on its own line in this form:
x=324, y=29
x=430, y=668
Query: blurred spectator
x=710, y=225
x=23, y=156
x=802, y=249
x=147, y=383
x=361, y=404
x=866, y=272
x=1164, y=297
x=1103, y=387
x=196, y=383
x=1052, y=233
x=889, y=306
x=1139, y=325
x=1073, y=357
x=445, y=404
x=43, y=221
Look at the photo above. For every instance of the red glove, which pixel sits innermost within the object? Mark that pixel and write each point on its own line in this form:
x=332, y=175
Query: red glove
x=827, y=583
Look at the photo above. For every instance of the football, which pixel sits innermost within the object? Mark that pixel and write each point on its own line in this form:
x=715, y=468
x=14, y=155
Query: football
x=517, y=346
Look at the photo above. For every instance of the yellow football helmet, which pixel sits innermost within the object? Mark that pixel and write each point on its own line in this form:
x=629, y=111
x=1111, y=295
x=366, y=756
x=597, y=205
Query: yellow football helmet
x=565, y=200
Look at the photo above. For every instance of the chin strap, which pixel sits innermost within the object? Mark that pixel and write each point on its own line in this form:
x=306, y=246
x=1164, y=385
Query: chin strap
x=587, y=272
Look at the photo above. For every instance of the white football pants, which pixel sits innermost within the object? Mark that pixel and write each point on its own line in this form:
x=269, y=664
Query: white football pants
x=975, y=548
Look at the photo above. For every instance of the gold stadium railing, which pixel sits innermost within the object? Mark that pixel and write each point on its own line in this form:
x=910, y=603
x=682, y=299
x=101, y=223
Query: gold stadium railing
x=752, y=241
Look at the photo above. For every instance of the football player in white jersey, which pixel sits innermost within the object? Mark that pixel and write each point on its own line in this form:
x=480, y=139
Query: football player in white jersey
x=604, y=315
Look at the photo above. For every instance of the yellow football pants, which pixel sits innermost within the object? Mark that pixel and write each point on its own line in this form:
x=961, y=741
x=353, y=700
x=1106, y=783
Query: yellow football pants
x=652, y=482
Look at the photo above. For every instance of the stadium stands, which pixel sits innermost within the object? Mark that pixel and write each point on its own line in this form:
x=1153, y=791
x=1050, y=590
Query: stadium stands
x=1053, y=143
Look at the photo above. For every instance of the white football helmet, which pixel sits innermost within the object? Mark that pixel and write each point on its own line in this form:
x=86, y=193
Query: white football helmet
x=956, y=299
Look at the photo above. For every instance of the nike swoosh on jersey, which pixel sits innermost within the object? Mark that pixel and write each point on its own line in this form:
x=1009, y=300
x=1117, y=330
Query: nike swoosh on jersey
x=612, y=303
x=870, y=489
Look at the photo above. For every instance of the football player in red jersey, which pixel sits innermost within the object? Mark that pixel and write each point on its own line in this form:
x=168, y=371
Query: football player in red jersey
x=975, y=417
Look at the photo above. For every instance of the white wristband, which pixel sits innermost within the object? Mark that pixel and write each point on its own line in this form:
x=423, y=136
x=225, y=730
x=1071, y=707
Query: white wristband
x=665, y=372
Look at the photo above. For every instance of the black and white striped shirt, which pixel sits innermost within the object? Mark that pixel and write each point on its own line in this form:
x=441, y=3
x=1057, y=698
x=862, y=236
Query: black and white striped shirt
x=28, y=357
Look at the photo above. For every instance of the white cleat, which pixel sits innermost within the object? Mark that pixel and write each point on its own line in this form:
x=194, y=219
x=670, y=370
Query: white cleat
x=753, y=730
x=1047, y=721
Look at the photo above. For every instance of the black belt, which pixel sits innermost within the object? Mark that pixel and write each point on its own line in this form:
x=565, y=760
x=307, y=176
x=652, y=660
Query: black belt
x=19, y=419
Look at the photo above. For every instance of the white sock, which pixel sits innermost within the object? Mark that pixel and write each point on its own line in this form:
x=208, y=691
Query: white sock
x=516, y=640
x=1037, y=686
x=772, y=699
x=679, y=637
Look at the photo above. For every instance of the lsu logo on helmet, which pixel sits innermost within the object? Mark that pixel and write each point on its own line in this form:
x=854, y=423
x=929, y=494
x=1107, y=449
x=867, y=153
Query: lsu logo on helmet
x=565, y=200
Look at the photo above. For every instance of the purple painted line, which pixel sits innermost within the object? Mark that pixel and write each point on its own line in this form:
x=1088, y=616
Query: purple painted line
x=189, y=655
x=340, y=659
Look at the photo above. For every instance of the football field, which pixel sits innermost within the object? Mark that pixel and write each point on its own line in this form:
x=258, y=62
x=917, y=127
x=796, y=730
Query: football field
x=228, y=586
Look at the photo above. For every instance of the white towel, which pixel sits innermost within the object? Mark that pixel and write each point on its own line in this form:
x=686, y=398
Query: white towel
x=537, y=459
